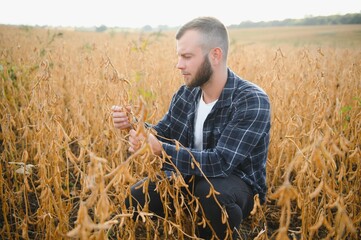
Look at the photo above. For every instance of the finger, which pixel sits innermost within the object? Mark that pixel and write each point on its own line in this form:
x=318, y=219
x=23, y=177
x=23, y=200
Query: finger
x=122, y=126
x=140, y=136
x=134, y=140
x=132, y=133
x=121, y=123
x=133, y=146
x=116, y=108
x=131, y=149
x=120, y=116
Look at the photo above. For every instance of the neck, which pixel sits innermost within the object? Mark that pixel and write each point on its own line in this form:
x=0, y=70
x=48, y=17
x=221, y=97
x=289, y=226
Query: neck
x=214, y=87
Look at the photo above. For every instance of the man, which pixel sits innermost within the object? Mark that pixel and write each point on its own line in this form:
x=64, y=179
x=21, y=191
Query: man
x=220, y=119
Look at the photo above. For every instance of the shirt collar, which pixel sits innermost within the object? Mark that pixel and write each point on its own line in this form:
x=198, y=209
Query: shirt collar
x=225, y=99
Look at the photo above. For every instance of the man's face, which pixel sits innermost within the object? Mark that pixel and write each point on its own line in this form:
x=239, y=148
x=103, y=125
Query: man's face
x=203, y=74
x=194, y=65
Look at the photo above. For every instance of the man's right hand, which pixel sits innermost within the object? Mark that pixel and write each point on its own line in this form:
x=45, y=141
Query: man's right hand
x=120, y=117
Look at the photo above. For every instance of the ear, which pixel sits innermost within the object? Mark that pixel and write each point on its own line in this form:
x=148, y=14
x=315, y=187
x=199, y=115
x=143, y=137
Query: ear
x=216, y=55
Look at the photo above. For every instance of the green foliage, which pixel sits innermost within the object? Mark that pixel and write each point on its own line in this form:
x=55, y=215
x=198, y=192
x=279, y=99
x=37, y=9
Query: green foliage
x=101, y=28
x=52, y=37
x=26, y=28
x=88, y=47
x=358, y=100
x=347, y=110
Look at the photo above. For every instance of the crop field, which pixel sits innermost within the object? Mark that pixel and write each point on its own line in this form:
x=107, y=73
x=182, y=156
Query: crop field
x=65, y=170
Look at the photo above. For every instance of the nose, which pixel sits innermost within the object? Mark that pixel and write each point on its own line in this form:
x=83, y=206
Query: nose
x=180, y=64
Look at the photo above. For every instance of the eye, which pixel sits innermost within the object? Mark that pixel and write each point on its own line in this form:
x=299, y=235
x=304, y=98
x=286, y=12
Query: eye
x=185, y=55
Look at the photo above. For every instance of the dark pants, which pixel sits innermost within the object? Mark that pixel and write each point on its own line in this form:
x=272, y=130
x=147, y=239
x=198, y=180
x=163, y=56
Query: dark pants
x=235, y=196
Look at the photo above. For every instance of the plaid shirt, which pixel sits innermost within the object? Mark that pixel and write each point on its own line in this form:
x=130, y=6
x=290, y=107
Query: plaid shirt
x=235, y=133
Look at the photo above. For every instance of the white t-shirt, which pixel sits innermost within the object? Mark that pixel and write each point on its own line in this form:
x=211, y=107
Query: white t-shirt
x=202, y=112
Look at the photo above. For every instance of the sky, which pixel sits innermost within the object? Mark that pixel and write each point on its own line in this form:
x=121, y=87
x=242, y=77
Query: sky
x=139, y=13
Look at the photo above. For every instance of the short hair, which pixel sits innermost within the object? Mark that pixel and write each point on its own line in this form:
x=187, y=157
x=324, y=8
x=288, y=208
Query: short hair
x=214, y=33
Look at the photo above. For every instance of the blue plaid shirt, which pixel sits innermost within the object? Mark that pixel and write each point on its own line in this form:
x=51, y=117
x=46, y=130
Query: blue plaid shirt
x=235, y=133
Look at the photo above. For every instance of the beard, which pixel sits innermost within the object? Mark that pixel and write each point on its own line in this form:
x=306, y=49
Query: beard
x=203, y=74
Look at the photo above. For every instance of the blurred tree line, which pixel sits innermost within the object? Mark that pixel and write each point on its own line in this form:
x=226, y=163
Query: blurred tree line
x=351, y=18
